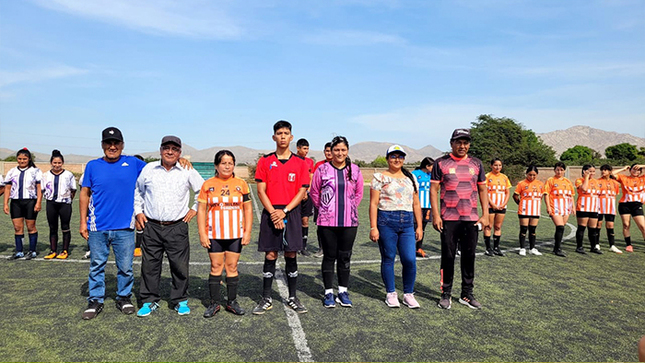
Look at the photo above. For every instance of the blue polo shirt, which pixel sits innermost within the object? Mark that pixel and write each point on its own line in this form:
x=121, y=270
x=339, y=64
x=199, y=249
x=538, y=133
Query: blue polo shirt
x=112, y=184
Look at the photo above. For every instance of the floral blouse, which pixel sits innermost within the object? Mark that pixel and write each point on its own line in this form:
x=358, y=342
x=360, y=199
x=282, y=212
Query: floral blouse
x=396, y=193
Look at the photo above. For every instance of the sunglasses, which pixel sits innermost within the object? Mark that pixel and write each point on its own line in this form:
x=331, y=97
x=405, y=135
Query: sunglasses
x=396, y=156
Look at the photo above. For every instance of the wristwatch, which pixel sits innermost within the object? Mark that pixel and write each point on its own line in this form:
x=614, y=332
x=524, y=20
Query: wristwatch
x=285, y=210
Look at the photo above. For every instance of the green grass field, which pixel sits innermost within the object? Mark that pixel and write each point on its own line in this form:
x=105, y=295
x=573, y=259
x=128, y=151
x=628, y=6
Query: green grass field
x=579, y=308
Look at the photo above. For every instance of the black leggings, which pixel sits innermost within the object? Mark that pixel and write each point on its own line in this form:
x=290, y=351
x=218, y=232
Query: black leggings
x=337, y=244
x=54, y=212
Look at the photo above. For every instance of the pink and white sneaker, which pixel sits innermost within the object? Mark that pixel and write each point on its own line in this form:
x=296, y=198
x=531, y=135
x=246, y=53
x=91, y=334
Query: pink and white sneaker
x=410, y=301
x=392, y=300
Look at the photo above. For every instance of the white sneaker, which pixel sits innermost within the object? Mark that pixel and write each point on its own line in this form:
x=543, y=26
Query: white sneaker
x=522, y=251
x=87, y=255
x=597, y=247
x=534, y=251
x=615, y=249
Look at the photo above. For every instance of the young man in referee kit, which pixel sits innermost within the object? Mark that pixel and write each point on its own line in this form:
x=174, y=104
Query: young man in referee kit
x=282, y=181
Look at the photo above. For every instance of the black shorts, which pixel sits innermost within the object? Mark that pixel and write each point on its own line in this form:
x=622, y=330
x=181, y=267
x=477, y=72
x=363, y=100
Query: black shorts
x=493, y=211
x=592, y=215
x=607, y=217
x=271, y=239
x=307, y=207
x=23, y=208
x=633, y=208
x=226, y=245
x=522, y=216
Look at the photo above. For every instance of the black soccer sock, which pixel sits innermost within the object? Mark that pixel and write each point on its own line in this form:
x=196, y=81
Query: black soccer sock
x=496, y=241
x=487, y=242
x=594, y=234
x=33, y=240
x=559, y=232
x=53, y=241
x=139, y=239
x=523, y=230
x=532, y=236
x=67, y=238
x=268, y=272
x=214, y=283
x=610, y=236
x=628, y=241
x=305, y=237
x=580, y=235
x=231, y=287
x=291, y=268
x=19, y=238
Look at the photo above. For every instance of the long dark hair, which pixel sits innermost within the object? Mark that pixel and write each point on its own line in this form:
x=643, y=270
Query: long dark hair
x=218, y=158
x=427, y=161
x=26, y=152
x=407, y=173
x=560, y=164
x=585, y=168
x=348, y=162
x=608, y=168
x=532, y=168
x=56, y=154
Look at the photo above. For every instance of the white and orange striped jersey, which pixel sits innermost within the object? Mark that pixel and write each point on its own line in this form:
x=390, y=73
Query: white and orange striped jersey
x=530, y=197
x=225, y=200
x=497, y=186
x=560, y=191
x=609, y=189
x=588, y=199
x=633, y=188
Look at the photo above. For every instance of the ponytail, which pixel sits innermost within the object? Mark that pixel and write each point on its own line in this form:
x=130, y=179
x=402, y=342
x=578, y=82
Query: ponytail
x=407, y=173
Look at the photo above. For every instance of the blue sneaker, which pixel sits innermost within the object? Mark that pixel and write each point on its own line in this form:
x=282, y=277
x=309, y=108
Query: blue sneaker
x=16, y=256
x=182, y=308
x=147, y=309
x=328, y=301
x=343, y=299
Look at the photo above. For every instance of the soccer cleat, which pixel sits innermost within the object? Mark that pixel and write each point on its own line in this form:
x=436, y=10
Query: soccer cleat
x=498, y=252
x=296, y=305
x=522, y=252
x=305, y=253
x=328, y=301
x=51, y=255
x=410, y=301
x=62, y=256
x=559, y=253
x=319, y=253
x=93, y=309
x=87, y=255
x=125, y=305
x=265, y=304
x=392, y=300
x=147, y=309
x=534, y=251
x=16, y=256
x=629, y=248
x=596, y=250
x=211, y=310
x=615, y=249
x=235, y=308
x=343, y=299
x=421, y=253
x=445, y=302
x=182, y=308
x=470, y=302
x=30, y=255
x=581, y=251
x=489, y=252
x=137, y=252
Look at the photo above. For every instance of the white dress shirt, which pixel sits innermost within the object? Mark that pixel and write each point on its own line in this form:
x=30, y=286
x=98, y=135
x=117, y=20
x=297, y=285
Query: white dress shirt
x=163, y=194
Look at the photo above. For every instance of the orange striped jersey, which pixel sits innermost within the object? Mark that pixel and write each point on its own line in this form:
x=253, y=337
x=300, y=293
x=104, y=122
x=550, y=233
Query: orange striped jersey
x=530, y=197
x=609, y=189
x=497, y=186
x=633, y=188
x=560, y=191
x=224, y=200
x=588, y=200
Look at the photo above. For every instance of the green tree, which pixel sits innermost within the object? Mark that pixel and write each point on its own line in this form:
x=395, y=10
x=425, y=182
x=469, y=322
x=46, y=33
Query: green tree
x=622, y=152
x=11, y=158
x=379, y=162
x=579, y=155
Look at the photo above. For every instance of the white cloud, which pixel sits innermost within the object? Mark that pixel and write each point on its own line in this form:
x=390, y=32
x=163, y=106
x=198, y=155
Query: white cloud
x=353, y=38
x=38, y=75
x=190, y=18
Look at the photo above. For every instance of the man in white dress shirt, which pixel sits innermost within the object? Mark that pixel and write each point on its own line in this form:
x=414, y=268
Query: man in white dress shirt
x=161, y=206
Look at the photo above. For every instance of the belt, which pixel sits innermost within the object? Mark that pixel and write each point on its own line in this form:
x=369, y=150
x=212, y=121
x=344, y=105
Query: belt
x=164, y=223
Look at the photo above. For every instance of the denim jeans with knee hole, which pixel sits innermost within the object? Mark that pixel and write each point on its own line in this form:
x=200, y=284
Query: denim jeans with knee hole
x=396, y=232
x=122, y=242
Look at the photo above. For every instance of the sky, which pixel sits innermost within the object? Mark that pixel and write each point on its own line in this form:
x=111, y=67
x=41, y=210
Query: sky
x=221, y=73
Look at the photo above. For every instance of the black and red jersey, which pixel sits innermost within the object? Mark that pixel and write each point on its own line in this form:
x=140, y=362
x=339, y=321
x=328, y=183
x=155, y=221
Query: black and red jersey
x=283, y=178
x=459, y=180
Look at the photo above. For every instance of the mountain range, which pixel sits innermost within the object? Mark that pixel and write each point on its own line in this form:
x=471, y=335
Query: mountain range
x=559, y=140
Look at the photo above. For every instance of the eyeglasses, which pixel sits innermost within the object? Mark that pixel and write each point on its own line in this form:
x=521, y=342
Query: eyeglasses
x=174, y=149
x=396, y=156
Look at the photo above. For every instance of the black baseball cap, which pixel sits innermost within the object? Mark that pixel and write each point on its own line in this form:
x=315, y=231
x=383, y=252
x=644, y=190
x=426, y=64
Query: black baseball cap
x=112, y=133
x=171, y=140
x=461, y=134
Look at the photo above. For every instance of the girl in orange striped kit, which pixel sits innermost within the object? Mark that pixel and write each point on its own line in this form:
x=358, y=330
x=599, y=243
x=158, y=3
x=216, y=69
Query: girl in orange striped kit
x=631, y=204
x=609, y=189
x=224, y=220
x=499, y=190
x=528, y=196
x=587, y=209
x=559, y=203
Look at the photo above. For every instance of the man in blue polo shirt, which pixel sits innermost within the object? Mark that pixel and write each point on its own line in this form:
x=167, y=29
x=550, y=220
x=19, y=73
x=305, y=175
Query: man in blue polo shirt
x=107, y=220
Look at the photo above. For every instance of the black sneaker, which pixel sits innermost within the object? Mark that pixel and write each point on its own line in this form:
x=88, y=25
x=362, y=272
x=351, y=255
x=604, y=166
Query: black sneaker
x=16, y=256
x=489, y=252
x=93, y=309
x=235, y=308
x=296, y=305
x=265, y=304
x=559, y=253
x=470, y=301
x=498, y=252
x=211, y=310
x=125, y=305
x=30, y=255
x=581, y=251
x=596, y=251
x=305, y=253
x=445, y=302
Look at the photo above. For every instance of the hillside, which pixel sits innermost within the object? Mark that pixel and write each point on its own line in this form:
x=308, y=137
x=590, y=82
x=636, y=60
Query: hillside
x=599, y=140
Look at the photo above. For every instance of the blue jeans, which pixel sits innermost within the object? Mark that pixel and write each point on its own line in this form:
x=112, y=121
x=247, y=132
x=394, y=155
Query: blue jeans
x=122, y=241
x=396, y=232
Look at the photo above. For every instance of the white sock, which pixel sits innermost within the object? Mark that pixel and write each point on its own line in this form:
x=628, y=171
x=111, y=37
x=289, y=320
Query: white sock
x=342, y=289
x=329, y=291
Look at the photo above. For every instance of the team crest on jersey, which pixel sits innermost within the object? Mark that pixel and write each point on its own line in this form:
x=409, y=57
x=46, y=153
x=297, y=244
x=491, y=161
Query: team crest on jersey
x=491, y=180
x=527, y=187
x=238, y=189
x=273, y=165
x=452, y=171
x=555, y=185
x=291, y=177
x=471, y=171
x=211, y=189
